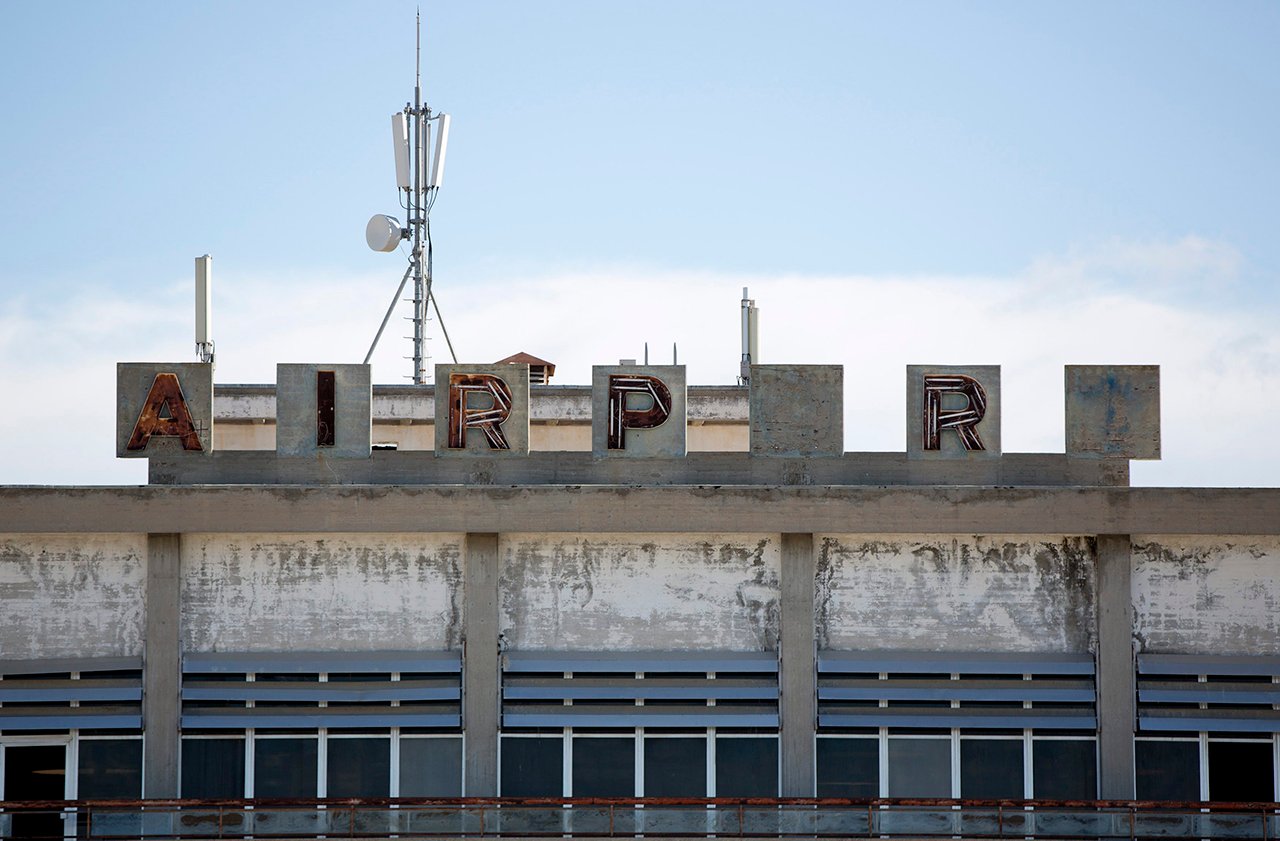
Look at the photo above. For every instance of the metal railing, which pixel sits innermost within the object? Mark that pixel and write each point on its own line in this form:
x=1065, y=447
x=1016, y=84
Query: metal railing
x=782, y=818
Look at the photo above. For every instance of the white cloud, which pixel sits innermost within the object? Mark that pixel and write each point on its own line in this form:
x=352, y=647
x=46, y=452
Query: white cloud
x=1219, y=366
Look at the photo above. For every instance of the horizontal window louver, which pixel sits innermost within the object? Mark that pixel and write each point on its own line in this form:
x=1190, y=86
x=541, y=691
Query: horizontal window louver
x=1191, y=693
x=995, y=691
x=640, y=689
x=323, y=689
x=100, y=693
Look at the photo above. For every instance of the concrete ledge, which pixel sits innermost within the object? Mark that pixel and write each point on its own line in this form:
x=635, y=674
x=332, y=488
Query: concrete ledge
x=550, y=508
x=580, y=468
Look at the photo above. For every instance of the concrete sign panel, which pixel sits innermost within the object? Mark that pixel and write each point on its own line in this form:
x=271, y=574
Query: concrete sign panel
x=797, y=410
x=482, y=410
x=953, y=411
x=1113, y=411
x=164, y=408
x=638, y=411
x=324, y=410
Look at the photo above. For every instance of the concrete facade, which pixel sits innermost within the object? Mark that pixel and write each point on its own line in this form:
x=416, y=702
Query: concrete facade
x=1113, y=411
x=501, y=426
x=933, y=391
x=797, y=410
x=657, y=389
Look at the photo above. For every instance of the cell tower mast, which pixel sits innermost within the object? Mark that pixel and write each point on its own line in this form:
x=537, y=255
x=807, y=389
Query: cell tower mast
x=419, y=176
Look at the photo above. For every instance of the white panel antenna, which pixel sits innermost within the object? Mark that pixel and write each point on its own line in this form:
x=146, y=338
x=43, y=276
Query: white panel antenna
x=400, y=139
x=204, y=308
x=442, y=143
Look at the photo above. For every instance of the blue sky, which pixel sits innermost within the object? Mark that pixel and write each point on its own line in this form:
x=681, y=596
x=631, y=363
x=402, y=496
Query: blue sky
x=1011, y=183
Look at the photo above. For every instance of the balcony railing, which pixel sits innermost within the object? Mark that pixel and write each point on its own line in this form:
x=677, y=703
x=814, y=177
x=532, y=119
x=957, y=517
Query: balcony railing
x=162, y=820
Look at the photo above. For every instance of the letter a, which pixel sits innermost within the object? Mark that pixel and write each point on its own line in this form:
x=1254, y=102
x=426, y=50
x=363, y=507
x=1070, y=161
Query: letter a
x=165, y=413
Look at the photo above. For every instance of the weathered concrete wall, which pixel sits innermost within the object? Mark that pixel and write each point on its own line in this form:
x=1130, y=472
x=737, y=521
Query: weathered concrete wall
x=630, y=592
x=1207, y=595
x=939, y=592
x=288, y=592
x=72, y=595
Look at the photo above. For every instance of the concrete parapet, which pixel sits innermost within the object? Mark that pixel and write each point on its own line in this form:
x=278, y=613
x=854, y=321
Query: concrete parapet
x=797, y=410
x=164, y=408
x=1113, y=411
x=483, y=409
x=638, y=411
x=953, y=412
x=314, y=417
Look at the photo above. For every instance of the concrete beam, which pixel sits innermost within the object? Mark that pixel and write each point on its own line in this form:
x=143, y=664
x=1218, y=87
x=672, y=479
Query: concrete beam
x=480, y=700
x=798, y=669
x=1116, y=699
x=161, y=669
x=699, y=509
x=582, y=468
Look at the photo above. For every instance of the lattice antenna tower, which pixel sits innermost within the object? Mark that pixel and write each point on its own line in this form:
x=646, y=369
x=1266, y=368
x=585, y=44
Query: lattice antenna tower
x=419, y=160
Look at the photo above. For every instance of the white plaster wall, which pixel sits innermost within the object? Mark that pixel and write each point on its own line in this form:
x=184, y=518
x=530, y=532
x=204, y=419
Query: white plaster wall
x=942, y=592
x=72, y=595
x=1206, y=595
x=280, y=592
x=622, y=592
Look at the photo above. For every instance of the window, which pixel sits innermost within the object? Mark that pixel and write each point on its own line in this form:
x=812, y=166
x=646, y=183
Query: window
x=1167, y=769
x=848, y=767
x=358, y=766
x=919, y=767
x=213, y=768
x=110, y=769
x=746, y=767
x=991, y=768
x=430, y=767
x=604, y=766
x=675, y=766
x=1065, y=769
x=1241, y=771
x=532, y=767
x=285, y=767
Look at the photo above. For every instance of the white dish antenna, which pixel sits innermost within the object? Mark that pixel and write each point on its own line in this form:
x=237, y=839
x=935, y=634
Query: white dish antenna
x=383, y=233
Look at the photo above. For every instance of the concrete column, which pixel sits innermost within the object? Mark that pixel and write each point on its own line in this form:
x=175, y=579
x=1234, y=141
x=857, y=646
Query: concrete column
x=161, y=669
x=799, y=697
x=1116, y=690
x=480, y=701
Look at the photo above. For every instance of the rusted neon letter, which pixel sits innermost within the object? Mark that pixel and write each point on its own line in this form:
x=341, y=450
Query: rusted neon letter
x=621, y=418
x=165, y=413
x=325, y=386
x=964, y=421
x=489, y=419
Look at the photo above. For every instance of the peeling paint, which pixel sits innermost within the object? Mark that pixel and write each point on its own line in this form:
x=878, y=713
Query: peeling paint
x=1206, y=595
x=939, y=592
x=627, y=593
x=336, y=592
x=72, y=595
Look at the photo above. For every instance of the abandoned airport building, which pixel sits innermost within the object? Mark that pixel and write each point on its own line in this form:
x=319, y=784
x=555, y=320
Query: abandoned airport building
x=355, y=600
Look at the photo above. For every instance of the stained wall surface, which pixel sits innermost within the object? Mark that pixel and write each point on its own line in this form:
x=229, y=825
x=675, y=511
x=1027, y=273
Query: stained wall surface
x=639, y=592
x=72, y=595
x=1206, y=595
x=942, y=592
x=321, y=593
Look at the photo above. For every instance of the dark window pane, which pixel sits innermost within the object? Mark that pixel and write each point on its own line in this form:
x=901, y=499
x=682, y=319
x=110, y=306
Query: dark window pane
x=675, y=767
x=1064, y=770
x=213, y=768
x=1167, y=770
x=284, y=768
x=430, y=767
x=747, y=767
x=848, y=768
x=532, y=767
x=110, y=768
x=35, y=772
x=359, y=767
x=604, y=767
x=1241, y=771
x=991, y=768
x=919, y=768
